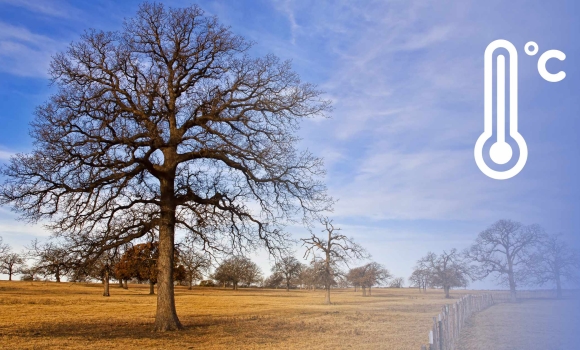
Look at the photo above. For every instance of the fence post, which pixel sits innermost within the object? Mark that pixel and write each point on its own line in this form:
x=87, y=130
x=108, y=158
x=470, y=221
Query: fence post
x=440, y=334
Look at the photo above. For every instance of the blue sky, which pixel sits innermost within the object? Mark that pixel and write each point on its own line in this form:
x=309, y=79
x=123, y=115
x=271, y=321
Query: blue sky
x=406, y=81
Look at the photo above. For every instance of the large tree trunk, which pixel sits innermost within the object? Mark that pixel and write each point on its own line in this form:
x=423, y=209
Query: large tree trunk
x=106, y=285
x=57, y=275
x=166, y=317
x=513, y=294
x=151, y=288
x=558, y=287
x=126, y=285
x=190, y=284
x=120, y=283
x=10, y=274
x=287, y=286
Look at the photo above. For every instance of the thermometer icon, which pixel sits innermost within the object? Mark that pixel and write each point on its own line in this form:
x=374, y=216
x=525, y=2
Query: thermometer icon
x=501, y=151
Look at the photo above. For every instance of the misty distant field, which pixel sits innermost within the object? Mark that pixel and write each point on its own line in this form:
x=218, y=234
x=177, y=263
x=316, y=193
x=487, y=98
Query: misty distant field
x=43, y=315
x=530, y=325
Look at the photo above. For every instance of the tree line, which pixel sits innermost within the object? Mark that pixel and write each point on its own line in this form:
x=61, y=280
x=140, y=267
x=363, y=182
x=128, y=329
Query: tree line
x=515, y=255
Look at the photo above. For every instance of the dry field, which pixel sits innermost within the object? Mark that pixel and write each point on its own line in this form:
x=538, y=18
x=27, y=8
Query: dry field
x=529, y=325
x=46, y=315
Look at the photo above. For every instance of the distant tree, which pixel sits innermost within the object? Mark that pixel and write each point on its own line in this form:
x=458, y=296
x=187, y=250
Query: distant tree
x=50, y=259
x=237, y=270
x=312, y=275
x=447, y=270
x=335, y=248
x=398, y=282
x=555, y=262
x=274, y=281
x=140, y=262
x=162, y=125
x=420, y=277
x=354, y=277
x=10, y=263
x=504, y=250
x=194, y=259
x=368, y=275
x=289, y=268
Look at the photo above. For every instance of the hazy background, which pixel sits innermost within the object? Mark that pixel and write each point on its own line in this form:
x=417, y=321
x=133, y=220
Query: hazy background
x=406, y=81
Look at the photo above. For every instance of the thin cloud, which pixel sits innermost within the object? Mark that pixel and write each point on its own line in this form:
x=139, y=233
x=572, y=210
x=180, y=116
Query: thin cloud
x=49, y=8
x=25, y=53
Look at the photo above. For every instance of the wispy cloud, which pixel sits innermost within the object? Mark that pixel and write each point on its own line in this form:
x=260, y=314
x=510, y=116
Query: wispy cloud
x=45, y=7
x=5, y=155
x=25, y=53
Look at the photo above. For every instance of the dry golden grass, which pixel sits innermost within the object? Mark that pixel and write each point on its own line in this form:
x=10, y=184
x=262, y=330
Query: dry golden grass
x=531, y=325
x=45, y=315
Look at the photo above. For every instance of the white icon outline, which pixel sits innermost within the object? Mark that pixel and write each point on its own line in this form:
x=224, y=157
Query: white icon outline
x=530, y=52
x=501, y=152
x=552, y=78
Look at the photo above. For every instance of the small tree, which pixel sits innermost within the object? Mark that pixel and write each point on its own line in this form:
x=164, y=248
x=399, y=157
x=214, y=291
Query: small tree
x=368, y=276
x=51, y=259
x=420, y=278
x=10, y=263
x=447, y=270
x=398, y=282
x=504, y=251
x=237, y=270
x=274, y=281
x=336, y=249
x=289, y=268
x=555, y=262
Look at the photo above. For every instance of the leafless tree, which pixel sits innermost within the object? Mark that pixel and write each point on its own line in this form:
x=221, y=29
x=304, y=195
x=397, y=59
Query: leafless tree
x=51, y=259
x=10, y=263
x=336, y=249
x=368, y=275
x=312, y=275
x=420, y=278
x=446, y=270
x=194, y=258
x=504, y=250
x=274, y=281
x=168, y=124
x=398, y=282
x=555, y=262
x=289, y=268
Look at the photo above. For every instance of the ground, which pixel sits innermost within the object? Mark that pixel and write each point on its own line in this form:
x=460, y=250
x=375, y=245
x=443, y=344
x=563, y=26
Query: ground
x=48, y=315
x=537, y=324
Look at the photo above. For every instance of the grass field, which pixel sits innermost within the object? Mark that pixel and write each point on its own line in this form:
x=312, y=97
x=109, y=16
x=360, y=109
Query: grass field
x=530, y=325
x=47, y=315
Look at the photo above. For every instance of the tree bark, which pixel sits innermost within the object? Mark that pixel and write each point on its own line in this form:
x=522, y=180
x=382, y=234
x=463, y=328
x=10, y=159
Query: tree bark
x=166, y=317
x=151, y=288
x=57, y=275
x=558, y=287
x=120, y=283
x=10, y=274
x=126, y=284
x=106, y=285
x=327, y=300
x=190, y=284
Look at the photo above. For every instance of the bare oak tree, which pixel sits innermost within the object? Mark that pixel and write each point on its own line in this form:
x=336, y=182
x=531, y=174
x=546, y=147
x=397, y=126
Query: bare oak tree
x=555, y=262
x=336, y=249
x=289, y=268
x=51, y=259
x=447, y=270
x=10, y=263
x=504, y=250
x=168, y=124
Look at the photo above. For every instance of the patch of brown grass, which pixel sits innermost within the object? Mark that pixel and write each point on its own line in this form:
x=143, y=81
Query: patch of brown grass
x=70, y=316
